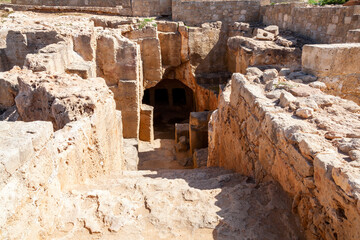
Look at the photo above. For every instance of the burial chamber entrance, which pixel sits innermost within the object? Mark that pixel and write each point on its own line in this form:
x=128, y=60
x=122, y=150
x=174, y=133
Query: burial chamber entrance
x=172, y=101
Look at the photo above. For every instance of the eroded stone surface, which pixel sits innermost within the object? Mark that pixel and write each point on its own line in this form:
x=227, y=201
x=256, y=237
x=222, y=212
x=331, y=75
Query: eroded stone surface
x=299, y=154
x=179, y=204
x=58, y=98
x=269, y=126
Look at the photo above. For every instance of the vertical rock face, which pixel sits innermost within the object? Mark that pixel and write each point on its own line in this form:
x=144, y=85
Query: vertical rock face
x=337, y=65
x=8, y=89
x=198, y=130
x=147, y=38
x=146, y=123
x=255, y=136
x=171, y=44
x=150, y=54
x=117, y=58
x=127, y=100
x=19, y=44
x=83, y=109
x=118, y=61
x=85, y=45
x=27, y=172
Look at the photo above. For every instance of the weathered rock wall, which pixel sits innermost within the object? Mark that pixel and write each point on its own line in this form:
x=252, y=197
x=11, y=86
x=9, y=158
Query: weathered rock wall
x=88, y=129
x=8, y=89
x=143, y=8
x=337, y=65
x=38, y=164
x=329, y=24
x=21, y=43
x=119, y=63
x=249, y=133
x=198, y=12
x=29, y=187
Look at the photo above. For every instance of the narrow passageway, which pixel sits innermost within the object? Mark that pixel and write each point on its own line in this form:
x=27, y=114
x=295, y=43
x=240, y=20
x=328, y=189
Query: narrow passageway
x=172, y=101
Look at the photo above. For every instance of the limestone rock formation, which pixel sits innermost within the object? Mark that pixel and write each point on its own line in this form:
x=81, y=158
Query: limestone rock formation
x=8, y=88
x=251, y=134
x=82, y=112
x=336, y=65
x=84, y=82
x=58, y=98
x=246, y=52
x=197, y=206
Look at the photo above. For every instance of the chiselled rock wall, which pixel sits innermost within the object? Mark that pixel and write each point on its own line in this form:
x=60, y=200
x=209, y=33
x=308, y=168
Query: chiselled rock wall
x=300, y=137
x=83, y=114
x=328, y=24
x=72, y=133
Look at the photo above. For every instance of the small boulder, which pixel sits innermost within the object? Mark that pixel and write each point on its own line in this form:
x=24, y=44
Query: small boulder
x=254, y=71
x=286, y=99
x=270, y=74
x=346, y=145
x=261, y=34
x=355, y=155
x=304, y=112
x=307, y=103
x=304, y=91
x=332, y=135
x=284, y=72
x=242, y=26
x=318, y=85
x=271, y=85
x=275, y=94
x=283, y=42
x=273, y=29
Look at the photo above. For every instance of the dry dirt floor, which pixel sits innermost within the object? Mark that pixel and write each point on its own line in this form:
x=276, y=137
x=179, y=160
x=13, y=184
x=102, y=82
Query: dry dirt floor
x=175, y=203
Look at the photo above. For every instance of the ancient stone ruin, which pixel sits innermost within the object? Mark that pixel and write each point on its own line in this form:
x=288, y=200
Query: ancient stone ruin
x=179, y=119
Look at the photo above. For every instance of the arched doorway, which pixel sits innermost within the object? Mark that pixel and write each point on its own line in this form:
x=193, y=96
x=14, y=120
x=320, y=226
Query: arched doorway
x=172, y=101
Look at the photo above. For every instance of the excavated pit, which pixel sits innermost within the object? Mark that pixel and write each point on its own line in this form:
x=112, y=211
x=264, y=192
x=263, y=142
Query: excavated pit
x=123, y=128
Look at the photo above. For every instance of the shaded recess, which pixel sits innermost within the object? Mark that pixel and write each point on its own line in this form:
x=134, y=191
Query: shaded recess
x=172, y=101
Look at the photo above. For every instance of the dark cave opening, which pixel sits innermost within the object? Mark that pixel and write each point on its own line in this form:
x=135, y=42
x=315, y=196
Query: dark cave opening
x=172, y=101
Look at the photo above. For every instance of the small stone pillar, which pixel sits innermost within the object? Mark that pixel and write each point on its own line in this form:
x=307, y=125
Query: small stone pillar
x=198, y=130
x=181, y=129
x=127, y=99
x=200, y=158
x=182, y=148
x=146, y=123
